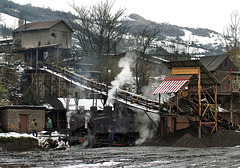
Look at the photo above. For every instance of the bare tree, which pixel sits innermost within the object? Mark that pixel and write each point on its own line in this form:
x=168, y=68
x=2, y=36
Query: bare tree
x=143, y=71
x=231, y=36
x=97, y=29
x=144, y=36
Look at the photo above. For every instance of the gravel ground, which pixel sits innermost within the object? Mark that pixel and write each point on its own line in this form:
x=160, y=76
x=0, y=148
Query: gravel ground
x=189, y=138
x=124, y=157
x=183, y=149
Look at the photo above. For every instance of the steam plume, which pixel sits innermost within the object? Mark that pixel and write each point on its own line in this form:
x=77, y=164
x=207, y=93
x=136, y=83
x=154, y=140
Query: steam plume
x=126, y=63
x=146, y=128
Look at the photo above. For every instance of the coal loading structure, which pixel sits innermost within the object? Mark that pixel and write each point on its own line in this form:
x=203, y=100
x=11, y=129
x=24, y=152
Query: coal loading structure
x=122, y=96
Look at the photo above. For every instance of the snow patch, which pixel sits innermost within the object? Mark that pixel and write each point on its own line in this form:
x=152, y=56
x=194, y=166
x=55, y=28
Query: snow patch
x=9, y=21
x=42, y=138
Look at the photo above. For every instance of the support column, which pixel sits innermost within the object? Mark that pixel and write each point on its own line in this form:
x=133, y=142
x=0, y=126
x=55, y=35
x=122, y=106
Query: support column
x=173, y=125
x=59, y=87
x=37, y=75
x=51, y=83
x=177, y=102
x=37, y=58
x=162, y=126
x=199, y=104
x=231, y=108
x=58, y=122
x=159, y=101
x=43, y=78
x=31, y=60
x=216, y=108
x=57, y=54
x=159, y=110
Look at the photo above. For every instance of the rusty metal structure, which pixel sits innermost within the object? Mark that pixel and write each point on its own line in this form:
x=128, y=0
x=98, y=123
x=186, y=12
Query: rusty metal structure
x=198, y=87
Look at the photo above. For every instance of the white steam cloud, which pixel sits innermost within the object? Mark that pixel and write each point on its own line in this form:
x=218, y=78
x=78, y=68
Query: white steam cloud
x=145, y=126
x=126, y=63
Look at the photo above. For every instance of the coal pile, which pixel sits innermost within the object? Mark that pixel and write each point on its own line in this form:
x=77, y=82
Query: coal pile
x=188, y=141
x=189, y=138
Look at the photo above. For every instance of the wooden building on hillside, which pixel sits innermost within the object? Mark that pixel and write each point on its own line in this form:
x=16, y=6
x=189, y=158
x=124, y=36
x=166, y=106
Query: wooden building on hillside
x=32, y=35
x=41, y=42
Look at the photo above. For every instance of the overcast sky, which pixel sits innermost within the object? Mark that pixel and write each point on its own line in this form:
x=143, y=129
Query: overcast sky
x=212, y=14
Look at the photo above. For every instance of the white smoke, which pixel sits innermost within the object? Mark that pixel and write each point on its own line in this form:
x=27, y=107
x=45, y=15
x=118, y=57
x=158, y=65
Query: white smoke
x=145, y=126
x=126, y=63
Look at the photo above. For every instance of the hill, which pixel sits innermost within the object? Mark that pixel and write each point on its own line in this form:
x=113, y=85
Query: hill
x=182, y=39
x=31, y=13
x=171, y=38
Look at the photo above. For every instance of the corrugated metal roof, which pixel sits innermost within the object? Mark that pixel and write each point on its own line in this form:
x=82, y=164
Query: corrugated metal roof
x=39, y=26
x=207, y=78
x=212, y=62
x=171, y=84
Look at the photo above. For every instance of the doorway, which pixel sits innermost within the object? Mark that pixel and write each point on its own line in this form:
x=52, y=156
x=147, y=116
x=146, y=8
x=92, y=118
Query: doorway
x=23, y=123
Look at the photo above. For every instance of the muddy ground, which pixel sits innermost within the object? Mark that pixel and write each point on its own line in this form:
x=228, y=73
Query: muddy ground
x=183, y=149
x=189, y=138
x=127, y=157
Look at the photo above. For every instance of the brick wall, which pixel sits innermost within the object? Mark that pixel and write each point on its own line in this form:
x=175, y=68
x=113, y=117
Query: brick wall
x=10, y=117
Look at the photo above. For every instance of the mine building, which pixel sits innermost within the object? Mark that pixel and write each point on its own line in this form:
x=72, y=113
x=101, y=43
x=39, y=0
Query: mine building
x=40, y=42
x=200, y=86
x=189, y=80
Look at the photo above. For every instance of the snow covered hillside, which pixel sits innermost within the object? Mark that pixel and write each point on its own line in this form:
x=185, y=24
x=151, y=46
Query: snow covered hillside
x=172, y=38
x=7, y=24
x=193, y=44
x=9, y=21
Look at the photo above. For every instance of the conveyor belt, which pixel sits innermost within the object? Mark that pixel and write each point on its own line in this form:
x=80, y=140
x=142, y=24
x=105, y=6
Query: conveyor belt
x=123, y=96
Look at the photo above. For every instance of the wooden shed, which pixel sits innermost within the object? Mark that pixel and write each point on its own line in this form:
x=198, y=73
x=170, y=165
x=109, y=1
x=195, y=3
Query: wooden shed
x=32, y=35
x=19, y=118
x=41, y=42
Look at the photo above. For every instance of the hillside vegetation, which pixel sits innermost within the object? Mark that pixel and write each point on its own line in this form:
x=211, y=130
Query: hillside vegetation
x=171, y=38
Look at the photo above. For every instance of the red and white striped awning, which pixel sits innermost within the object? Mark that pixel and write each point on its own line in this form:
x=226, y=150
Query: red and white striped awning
x=171, y=84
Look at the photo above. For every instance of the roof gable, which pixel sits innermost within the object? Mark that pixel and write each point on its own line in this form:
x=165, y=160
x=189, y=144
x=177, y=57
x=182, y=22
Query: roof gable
x=207, y=78
x=39, y=26
x=212, y=62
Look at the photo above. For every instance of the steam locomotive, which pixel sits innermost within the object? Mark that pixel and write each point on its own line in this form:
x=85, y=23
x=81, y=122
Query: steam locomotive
x=90, y=127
